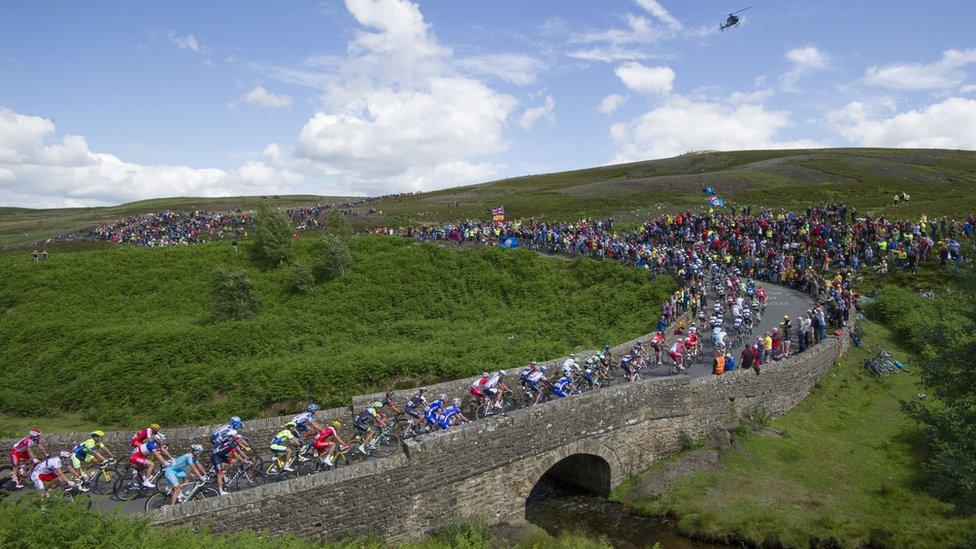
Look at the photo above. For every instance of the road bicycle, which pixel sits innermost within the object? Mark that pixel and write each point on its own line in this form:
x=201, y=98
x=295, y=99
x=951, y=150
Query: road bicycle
x=24, y=469
x=505, y=402
x=340, y=457
x=384, y=444
x=195, y=489
x=100, y=479
x=278, y=469
x=129, y=485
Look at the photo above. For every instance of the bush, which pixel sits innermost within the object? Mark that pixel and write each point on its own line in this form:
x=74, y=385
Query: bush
x=332, y=257
x=233, y=298
x=300, y=279
x=339, y=226
x=273, y=243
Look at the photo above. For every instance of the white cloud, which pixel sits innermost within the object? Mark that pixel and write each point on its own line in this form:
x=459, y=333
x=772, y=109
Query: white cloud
x=657, y=10
x=804, y=60
x=517, y=68
x=619, y=44
x=398, y=115
x=533, y=114
x=758, y=96
x=260, y=97
x=942, y=74
x=949, y=124
x=188, y=42
x=682, y=125
x=970, y=88
x=611, y=103
x=36, y=171
x=642, y=79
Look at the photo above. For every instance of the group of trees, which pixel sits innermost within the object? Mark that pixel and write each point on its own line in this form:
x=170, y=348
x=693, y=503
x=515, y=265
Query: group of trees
x=273, y=247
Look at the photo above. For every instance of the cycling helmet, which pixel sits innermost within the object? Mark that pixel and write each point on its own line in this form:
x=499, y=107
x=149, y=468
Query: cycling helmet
x=456, y=401
x=291, y=425
x=34, y=433
x=442, y=396
x=236, y=422
x=196, y=448
x=160, y=437
x=485, y=374
x=336, y=423
x=98, y=433
x=65, y=454
x=502, y=373
x=543, y=368
x=422, y=390
x=154, y=426
x=312, y=407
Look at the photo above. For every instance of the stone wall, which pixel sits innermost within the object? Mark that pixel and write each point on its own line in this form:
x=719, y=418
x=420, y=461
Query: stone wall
x=488, y=468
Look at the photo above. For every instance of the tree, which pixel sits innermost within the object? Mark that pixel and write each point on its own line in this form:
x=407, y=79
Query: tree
x=332, y=257
x=339, y=226
x=233, y=297
x=300, y=279
x=272, y=236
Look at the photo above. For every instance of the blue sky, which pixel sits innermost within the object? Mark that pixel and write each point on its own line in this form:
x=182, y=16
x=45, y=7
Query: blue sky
x=107, y=102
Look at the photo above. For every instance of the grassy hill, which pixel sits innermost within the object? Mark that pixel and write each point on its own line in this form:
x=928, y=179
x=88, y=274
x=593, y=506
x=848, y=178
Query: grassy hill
x=939, y=181
x=26, y=225
x=119, y=335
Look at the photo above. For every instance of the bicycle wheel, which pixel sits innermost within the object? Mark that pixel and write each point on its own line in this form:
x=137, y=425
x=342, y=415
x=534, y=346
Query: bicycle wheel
x=246, y=478
x=157, y=501
x=101, y=483
x=481, y=412
x=128, y=486
x=205, y=493
x=308, y=467
x=6, y=478
x=388, y=445
x=81, y=499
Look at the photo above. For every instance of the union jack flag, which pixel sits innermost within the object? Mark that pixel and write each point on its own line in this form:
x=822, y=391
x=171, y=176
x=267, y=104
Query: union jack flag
x=498, y=214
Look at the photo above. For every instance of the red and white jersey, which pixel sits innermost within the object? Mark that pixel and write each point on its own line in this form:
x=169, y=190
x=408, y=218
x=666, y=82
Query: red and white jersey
x=48, y=466
x=480, y=382
x=692, y=339
x=145, y=449
x=658, y=339
x=324, y=434
x=23, y=444
x=678, y=347
x=142, y=435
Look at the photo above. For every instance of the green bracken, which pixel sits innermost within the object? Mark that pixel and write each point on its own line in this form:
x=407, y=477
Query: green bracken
x=122, y=335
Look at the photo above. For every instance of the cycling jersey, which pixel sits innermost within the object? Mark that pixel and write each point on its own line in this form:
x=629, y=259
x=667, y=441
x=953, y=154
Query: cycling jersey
x=561, y=387
x=479, y=385
x=677, y=348
x=48, y=466
x=23, y=444
x=140, y=454
x=430, y=412
x=141, y=436
x=279, y=442
x=410, y=408
x=692, y=340
x=177, y=471
x=220, y=435
x=303, y=420
x=325, y=434
x=85, y=450
x=445, y=420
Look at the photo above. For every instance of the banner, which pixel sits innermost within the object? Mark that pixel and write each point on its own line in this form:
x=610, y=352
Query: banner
x=498, y=214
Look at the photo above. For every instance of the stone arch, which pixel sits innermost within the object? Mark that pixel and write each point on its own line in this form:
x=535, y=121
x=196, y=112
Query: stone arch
x=578, y=474
x=590, y=465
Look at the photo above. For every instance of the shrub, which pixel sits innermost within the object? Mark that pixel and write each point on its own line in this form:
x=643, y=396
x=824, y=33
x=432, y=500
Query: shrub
x=332, y=257
x=300, y=279
x=339, y=226
x=233, y=298
x=273, y=244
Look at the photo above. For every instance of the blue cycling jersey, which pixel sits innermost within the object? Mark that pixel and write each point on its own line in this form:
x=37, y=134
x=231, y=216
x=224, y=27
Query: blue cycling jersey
x=444, y=420
x=183, y=462
x=562, y=386
x=430, y=412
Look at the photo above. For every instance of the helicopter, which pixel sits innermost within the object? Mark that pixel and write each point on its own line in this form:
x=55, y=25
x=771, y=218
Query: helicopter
x=733, y=20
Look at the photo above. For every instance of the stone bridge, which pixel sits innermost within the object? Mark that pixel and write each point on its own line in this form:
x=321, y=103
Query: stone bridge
x=488, y=468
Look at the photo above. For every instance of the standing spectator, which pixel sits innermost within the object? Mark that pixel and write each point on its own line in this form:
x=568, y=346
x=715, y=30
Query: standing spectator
x=767, y=347
x=34, y=256
x=748, y=357
x=729, y=362
x=787, y=331
x=821, y=324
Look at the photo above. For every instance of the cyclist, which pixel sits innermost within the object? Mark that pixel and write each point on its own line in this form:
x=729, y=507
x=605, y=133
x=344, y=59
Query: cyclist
x=21, y=451
x=451, y=414
x=178, y=470
x=532, y=381
x=323, y=442
x=721, y=340
x=625, y=364
x=388, y=403
x=676, y=353
x=145, y=435
x=89, y=450
x=432, y=409
x=761, y=296
x=226, y=452
x=50, y=469
x=369, y=422
x=305, y=420
x=657, y=343
x=141, y=457
x=222, y=433
x=289, y=436
x=691, y=342
x=414, y=408
x=563, y=387
x=477, y=387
